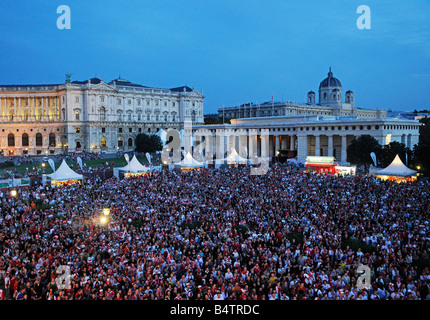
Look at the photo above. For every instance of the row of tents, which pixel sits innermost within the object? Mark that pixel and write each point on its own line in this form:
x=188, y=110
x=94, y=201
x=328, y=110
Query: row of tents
x=64, y=174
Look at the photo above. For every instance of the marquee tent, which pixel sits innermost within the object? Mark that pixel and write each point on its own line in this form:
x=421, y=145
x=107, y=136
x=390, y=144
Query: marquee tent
x=188, y=163
x=64, y=174
x=396, y=171
x=133, y=167
x=232, y=158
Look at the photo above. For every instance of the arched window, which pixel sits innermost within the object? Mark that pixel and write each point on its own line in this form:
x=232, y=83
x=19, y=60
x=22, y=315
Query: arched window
x=325, y=95
x=103, y=143
x=11, y=140
x=51, y=139
x=120, y=142
x=39, y=139
x=25, y=140
x=130, y=142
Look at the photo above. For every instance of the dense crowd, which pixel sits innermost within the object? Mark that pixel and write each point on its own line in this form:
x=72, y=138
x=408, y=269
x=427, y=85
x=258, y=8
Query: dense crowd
x=218, y=235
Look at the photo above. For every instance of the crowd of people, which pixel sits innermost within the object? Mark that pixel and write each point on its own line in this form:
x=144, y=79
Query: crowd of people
x=217, y=234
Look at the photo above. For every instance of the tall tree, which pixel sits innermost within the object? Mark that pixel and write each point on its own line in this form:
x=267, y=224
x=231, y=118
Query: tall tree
x=392, y=149
x=421, y=151
x=148, y=143
x=358, y=152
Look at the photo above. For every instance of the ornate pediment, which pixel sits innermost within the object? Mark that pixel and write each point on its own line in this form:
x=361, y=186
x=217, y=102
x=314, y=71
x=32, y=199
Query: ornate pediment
x=102, y=86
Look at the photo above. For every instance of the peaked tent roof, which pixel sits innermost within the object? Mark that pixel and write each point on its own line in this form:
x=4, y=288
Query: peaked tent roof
x=134, y=166
x=64, y=173
x=396, y=169
x=234, y=157
x=189, y=161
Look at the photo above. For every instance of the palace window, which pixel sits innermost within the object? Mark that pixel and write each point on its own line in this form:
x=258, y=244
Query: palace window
x=51, y=138
x=25, y=140
x=11, y=140
x=39, y=139
x=102, y=114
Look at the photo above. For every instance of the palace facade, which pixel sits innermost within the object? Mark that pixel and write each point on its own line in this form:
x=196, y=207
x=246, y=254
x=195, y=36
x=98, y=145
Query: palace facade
x=325, y=128
x=91, y=115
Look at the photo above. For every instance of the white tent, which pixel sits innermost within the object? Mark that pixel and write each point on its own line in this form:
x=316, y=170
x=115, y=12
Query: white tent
x=189, y=162
x=133, y=166
x=64, y=173
x=232, y=158
x=396, y=169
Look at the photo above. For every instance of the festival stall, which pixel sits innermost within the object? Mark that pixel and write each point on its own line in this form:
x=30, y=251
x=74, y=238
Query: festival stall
x=133, y=168
x=187, y=163
x=63, y=175
x=397, y=171
x=320, y=164
x=232, y=159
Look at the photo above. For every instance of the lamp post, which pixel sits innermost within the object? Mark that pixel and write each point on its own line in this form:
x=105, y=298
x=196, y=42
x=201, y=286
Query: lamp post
x=13, y=193
x=104, y=217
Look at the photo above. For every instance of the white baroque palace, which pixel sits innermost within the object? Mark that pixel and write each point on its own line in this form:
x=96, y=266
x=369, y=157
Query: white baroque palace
x=325, y=128
x=90, y=115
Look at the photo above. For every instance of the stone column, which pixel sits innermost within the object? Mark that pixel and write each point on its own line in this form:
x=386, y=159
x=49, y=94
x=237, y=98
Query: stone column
x=28, y=108
x=19, y=118
x=302, y=147
x=47, y=109
x=42, y=116
x=277, y=144
x=330, y=146
x=317, y=145
x=343, y=149
x=252, y=143
x=56, y=109
x=265, y=152
x=292, y=144
x=34, y=108
x=15, y=113
x=220, y=144
x=1, y=109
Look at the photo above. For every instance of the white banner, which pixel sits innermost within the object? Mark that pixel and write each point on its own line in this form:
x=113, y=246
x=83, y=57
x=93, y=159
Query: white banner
x=79, y=160
x=148, y=156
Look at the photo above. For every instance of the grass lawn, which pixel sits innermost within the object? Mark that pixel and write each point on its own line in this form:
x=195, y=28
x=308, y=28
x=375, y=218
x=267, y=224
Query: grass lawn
x=118, y=162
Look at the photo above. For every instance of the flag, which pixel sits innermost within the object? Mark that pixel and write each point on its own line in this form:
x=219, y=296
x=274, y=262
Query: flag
x=79, y=161
x=373, y=156
x=148, y=156
x=51, y=163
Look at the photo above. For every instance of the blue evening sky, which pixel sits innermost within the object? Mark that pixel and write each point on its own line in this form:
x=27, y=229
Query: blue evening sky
x=236, y=51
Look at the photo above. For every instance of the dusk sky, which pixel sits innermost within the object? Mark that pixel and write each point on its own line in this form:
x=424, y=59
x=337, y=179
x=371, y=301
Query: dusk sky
x=236, y=51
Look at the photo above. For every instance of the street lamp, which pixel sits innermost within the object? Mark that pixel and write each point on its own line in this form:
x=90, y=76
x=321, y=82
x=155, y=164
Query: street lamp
x=104, y=220
x=13, y=193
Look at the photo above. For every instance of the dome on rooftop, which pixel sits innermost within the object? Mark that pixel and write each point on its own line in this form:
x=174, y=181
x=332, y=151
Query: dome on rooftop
x=330, y=81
